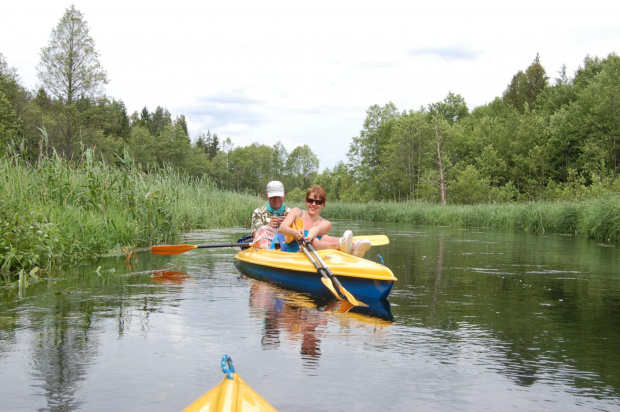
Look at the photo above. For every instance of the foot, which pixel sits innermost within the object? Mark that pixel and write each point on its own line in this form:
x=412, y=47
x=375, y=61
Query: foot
x=360, y=247
x=346, y=242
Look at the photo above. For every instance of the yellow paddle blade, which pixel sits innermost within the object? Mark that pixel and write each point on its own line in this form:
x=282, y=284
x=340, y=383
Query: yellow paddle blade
x=329, y=285
x=345, y=306
x=350, y=297
x=172, y=249
x=375, y=240
x=298, y=223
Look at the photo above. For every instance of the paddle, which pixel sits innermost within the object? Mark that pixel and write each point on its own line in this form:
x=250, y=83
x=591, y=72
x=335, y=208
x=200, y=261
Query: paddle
x=333, y=278
x=328, y=277
x=375, y=240
x=325, y=279
x=178, y=249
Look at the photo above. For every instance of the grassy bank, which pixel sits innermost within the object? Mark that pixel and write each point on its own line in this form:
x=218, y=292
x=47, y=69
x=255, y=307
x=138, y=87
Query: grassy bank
x=53, y=212
x=598, y=219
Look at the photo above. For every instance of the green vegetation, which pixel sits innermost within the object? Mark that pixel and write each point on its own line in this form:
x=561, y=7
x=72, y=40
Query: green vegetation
x=598, y=218
x=81, y=178
x=54, y=212
x=539, y=141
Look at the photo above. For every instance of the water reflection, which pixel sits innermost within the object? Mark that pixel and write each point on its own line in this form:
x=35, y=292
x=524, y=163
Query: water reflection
x=302, y=320
x=166, y=275
x=534, y=318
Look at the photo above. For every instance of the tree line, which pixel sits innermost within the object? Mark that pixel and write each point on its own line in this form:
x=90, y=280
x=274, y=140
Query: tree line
x=538, y=141
x=71, y=115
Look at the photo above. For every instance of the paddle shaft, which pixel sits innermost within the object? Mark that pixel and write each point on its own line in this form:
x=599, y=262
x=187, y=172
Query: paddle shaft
x=323, y=265
x=325, y=271
x=178, y=249
x=321, y=270
x=221, y=245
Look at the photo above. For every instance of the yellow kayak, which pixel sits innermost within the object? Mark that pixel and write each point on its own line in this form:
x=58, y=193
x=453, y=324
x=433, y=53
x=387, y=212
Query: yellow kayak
x=363, y=278
x=232, y=394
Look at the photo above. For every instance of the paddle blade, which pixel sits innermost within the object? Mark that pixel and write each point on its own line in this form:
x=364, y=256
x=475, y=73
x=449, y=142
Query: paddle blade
x=329, y=285
x=345, y=306
x=375, y=240
x=350, y=297
x=172, y=249
x=298, y=223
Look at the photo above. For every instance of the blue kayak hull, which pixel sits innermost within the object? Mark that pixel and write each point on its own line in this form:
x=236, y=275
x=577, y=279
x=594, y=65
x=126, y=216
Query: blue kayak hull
x=310, y=282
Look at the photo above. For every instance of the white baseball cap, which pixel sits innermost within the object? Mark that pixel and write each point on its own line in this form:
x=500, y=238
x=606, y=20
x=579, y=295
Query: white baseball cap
x=275, y=188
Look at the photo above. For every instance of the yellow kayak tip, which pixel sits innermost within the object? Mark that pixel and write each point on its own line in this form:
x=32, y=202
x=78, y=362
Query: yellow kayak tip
x=232, y=394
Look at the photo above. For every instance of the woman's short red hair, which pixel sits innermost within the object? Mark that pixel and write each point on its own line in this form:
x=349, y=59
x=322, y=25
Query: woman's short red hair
x=318, y=193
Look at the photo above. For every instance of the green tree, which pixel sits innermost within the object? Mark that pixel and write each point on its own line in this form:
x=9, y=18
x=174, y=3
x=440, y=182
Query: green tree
x=278, y=161
x=72, y=75
x=453, y=108
x=302, y=167
x=604, y=92
x=407, y=155
x=173, y=147
x=142, y=148
x=209, y=144
x=367, y=151
x=525, y=87
x=491, y=166
x=9, y=125
x=182, y=123
x=116, y=121
x=470, y=187
x=69, y=67
x=158, y=120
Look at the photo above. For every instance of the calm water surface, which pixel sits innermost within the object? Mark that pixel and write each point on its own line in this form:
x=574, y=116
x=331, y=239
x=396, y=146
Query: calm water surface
x=478, y=320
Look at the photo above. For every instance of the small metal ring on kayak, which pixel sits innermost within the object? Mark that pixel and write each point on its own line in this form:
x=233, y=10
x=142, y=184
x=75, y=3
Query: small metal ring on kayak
x=227, y=366
x=381, y=257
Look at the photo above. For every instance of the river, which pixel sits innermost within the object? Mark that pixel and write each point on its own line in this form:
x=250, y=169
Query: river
x=479, y=320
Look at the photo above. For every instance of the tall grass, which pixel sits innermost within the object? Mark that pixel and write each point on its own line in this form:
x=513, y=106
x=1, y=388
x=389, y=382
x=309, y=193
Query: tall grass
x=54, y=212
x=598, y=219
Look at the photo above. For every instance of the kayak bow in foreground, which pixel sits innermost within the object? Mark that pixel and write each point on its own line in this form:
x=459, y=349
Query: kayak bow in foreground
x=231, y=394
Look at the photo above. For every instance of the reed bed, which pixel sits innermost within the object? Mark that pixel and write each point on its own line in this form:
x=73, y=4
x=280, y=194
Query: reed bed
x=598, y=219
x=53, y=212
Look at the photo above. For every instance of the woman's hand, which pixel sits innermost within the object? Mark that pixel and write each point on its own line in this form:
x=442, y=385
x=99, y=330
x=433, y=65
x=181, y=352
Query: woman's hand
x=312, y=234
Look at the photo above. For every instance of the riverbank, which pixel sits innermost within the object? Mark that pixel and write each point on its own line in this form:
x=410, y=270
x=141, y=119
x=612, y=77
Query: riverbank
x=54, y=213
x=597, y=219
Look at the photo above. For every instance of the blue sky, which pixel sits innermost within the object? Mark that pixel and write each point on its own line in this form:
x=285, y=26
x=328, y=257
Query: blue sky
x=305, y=72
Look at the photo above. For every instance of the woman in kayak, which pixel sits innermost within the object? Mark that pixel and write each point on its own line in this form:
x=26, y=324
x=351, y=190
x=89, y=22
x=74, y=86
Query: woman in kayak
x=316, y=228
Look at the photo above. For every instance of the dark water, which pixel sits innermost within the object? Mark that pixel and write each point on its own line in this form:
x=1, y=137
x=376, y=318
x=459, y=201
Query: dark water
x=481, y=320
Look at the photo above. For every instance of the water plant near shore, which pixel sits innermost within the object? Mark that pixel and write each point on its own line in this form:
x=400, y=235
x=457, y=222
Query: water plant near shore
x=55, y=212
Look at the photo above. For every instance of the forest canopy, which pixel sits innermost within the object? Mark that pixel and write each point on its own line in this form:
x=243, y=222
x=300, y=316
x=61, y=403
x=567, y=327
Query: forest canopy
x=541, y=139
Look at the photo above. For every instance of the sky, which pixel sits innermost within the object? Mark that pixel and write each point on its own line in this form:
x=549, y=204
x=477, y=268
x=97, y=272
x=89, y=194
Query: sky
x=306, y=72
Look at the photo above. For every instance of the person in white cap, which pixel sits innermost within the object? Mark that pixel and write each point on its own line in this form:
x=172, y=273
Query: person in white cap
x=272, y=213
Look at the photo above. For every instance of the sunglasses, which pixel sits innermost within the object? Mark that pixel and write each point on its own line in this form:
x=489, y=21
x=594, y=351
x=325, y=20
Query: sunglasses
x=316, y=201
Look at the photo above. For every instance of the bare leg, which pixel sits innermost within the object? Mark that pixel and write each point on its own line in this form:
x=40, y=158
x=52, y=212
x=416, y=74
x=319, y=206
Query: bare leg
x=326, y=242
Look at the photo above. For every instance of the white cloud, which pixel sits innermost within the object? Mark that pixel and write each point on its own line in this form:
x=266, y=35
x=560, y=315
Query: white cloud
x=304, y=72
